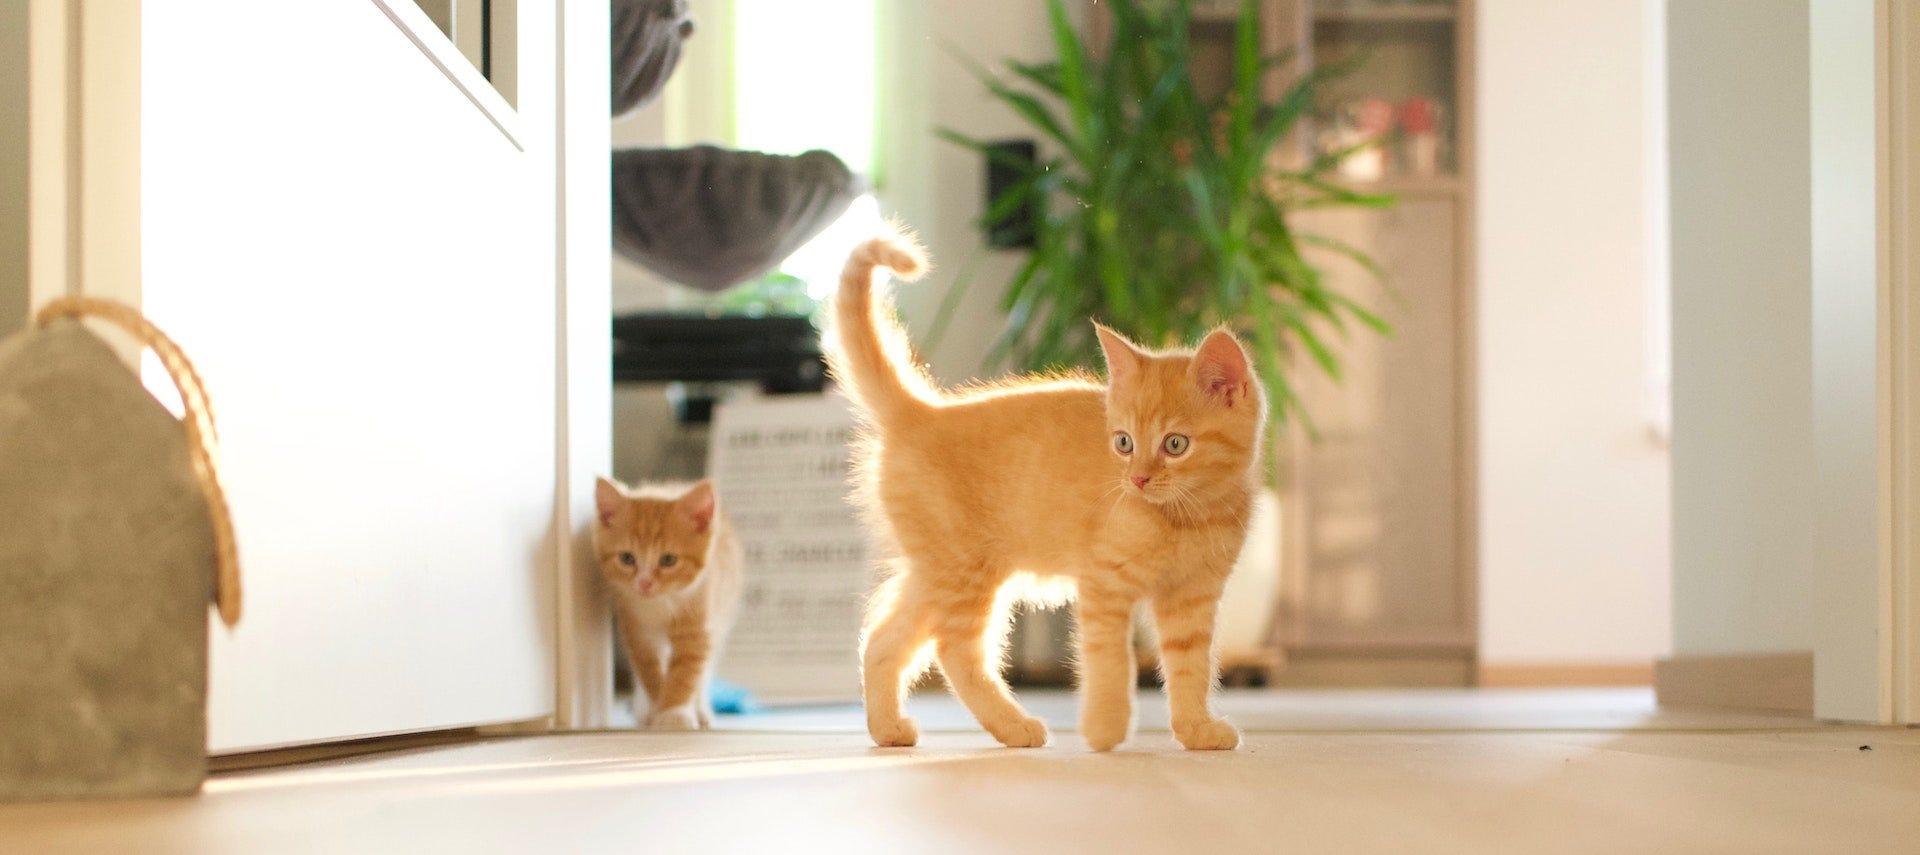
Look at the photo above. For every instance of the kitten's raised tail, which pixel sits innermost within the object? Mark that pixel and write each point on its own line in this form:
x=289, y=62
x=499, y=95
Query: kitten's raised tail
x=868, y=351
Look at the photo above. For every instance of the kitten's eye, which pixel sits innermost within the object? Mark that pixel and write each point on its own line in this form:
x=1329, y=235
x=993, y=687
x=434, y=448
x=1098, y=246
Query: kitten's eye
x=669, y=559
x=627, y=559
x=1122, y=442
x=1176, y=444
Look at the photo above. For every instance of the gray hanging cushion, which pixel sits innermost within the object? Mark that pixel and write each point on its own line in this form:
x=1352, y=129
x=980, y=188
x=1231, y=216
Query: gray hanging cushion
x=106, y=562
x=646, y=46
x=711, y=218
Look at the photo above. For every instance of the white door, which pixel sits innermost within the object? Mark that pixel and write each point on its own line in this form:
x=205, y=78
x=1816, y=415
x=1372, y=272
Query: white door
x=353, y=234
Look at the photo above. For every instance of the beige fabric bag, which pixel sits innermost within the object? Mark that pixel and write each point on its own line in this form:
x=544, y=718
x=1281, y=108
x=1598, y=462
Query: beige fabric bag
x=113, y=532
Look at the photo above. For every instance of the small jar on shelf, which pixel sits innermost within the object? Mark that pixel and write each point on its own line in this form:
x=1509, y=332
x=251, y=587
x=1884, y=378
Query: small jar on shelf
x=1422, y=137
x=1362, y=128
x=1378, y=139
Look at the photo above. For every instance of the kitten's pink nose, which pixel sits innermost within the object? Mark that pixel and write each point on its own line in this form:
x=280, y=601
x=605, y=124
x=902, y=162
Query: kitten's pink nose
x=1140, y=481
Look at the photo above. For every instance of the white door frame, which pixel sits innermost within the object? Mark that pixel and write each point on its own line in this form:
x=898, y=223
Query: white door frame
x=584, y=408
x=1900, y=282
x=83, y=185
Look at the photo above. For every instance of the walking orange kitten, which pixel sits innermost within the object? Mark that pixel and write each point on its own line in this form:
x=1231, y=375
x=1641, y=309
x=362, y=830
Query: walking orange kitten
x=1137, y=490
x=673, y=564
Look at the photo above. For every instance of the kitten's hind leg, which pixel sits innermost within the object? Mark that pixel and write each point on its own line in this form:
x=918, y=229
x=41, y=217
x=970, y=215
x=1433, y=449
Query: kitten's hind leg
x=969, y=632
x=892, y=655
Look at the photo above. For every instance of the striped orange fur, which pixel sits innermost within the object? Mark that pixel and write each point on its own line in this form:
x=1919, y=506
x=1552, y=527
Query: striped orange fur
x=1136, y=491
x=670, y=559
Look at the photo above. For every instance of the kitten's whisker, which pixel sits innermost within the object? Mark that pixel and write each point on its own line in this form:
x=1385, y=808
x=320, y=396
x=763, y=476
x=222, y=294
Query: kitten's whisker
x=1119, y=493
x=1184, y=502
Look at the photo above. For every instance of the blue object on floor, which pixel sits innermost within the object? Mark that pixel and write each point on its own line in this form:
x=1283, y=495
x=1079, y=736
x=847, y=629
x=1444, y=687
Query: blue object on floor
x=729, y=699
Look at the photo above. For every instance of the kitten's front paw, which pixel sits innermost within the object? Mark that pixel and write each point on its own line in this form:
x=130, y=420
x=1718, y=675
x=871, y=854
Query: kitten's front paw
x=1028, y=732
x=1210, y=735
x=1107, y=734
x=675, y=718
x=898, y=733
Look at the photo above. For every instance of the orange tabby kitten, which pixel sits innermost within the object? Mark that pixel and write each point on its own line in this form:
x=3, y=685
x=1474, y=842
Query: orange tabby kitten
x=673, y=564
x=1137, y=490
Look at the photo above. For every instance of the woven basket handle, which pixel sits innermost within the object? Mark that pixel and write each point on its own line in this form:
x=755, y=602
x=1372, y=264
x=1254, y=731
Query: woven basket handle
x=202, y=436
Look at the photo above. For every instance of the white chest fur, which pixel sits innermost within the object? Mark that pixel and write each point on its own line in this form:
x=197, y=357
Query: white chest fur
x=651, y=617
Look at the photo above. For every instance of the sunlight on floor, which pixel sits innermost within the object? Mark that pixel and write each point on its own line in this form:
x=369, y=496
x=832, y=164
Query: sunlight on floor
x=1328, y=710
x=1466, y=771
x=562, y=775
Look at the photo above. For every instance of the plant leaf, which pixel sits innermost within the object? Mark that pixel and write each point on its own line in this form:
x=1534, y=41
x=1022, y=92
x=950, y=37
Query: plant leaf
x=1073, y=67
x=1160, y=212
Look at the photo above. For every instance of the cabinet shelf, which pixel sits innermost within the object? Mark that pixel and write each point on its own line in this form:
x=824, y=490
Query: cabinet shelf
x=1353, y=13
x=1385, y=13
x=1408, y=185
x=1216, y=13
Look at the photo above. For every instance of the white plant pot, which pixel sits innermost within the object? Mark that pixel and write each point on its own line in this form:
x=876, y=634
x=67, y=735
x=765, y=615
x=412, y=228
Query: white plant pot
x=1253, y=591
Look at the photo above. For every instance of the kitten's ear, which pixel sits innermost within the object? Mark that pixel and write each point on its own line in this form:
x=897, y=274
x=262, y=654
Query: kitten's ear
x=1123, y=357
x=1221, y=369
x=699, y=505
x=608, y=499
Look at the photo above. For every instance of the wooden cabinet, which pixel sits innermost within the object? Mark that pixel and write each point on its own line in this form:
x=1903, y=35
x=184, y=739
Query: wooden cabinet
x=1380, y=523
x=1379, y=574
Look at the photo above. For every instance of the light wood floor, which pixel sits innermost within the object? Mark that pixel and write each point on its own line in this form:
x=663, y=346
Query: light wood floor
x=1447, y=771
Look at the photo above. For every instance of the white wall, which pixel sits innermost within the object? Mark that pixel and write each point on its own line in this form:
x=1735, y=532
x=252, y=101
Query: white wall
x=1777, y=526
x=1573, y=529
x=1847, y=671
x=1742, y=360
x=939, y=188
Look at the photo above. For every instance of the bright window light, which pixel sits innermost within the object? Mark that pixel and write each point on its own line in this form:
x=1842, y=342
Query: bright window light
x=804, y=77
x=818, y=262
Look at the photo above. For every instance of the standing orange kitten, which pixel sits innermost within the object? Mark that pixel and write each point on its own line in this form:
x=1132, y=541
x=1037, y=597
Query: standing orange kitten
x=1138, y=490
x=673, y=564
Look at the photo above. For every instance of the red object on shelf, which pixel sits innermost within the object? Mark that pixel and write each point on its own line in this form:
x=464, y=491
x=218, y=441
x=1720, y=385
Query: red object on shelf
x=1418, y=116
x=1374, y=116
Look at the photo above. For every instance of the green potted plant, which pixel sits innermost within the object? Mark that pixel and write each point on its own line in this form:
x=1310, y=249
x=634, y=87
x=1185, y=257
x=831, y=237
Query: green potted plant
x=1162, y=211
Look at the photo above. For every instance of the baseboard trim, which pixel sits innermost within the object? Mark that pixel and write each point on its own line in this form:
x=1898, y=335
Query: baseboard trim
x=1564, y=674
x=271, y=757
x=1375, y=670
x=1752, y=682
